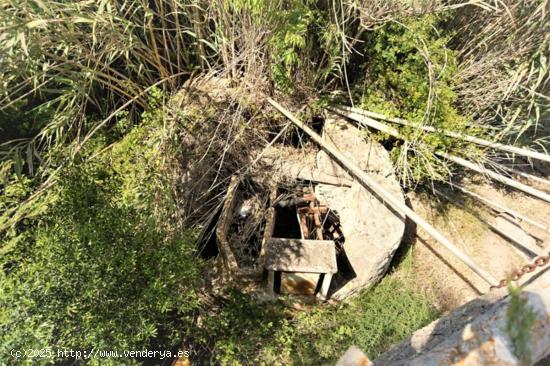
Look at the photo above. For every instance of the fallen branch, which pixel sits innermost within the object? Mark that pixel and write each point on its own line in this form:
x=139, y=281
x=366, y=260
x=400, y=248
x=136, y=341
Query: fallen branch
x=385, y=196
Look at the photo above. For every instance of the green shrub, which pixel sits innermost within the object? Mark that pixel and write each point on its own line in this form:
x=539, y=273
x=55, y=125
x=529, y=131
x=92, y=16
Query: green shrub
x=373, y=321
x=520, y=319
x=106, y=266
x=409, y=72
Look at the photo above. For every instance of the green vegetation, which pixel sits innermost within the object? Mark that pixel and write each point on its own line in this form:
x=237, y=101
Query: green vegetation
x=245, y=332
x=410, y=73
x=520, y=320
x=108, y=170
x=104, y=264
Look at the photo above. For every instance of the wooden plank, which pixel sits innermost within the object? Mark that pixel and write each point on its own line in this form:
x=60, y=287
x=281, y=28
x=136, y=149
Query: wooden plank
x=224, y=224
x=269, y=223
x=271, y=283
x=297, y=255
x=527, y=247
x=323, y=294
x=372, y=185
x=495, y=176
x=499, y=208
x=527, y=176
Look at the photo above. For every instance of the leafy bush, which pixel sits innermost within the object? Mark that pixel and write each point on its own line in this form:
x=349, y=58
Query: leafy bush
x=520, y=319
x=409, y=72
x=106, y=266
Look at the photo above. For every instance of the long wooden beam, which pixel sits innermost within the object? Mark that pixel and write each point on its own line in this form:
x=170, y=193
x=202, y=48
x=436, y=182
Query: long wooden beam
x=498, y=177
x=472, y=139
x=527, y=176
x=369, y=122
x=499, y=208
x=527, y=247
x=384, y=195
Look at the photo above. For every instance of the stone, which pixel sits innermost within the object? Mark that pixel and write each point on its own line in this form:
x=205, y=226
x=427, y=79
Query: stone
x=475, y=334
x=372, y=230
x=354, y=357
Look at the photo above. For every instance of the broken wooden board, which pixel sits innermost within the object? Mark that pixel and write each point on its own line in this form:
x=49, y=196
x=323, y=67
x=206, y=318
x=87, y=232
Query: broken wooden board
x=512, y=229
x=371, y=229
x=300, y=255
x=227, y=244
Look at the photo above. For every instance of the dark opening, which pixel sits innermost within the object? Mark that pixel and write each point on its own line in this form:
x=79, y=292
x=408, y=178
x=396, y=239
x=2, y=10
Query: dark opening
x=286, y=223
x=298, y=138
x=317, y=124
x=277, y=282
x=207, y=243
x=390, y=143
x=332, y=230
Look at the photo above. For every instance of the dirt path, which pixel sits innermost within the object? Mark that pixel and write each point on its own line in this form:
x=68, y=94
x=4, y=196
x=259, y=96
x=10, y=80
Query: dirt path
x=446, y=279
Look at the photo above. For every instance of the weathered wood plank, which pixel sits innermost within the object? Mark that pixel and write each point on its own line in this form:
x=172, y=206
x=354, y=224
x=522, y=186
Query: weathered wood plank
x=473, y=139
x=298, y=255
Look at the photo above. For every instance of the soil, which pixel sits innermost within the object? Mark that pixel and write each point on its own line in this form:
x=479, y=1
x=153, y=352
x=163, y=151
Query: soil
x=443, y=277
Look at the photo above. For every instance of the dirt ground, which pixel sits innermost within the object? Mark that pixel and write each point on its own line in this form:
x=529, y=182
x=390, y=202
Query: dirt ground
x=441, y=276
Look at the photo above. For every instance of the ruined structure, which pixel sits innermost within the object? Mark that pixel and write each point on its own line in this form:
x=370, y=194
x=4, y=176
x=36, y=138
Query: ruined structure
x=300, y=225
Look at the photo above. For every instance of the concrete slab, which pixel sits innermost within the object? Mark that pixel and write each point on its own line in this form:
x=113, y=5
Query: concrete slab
x=372, y=231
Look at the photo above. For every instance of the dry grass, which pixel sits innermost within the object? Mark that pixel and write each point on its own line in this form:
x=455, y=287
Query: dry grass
x=504, y=77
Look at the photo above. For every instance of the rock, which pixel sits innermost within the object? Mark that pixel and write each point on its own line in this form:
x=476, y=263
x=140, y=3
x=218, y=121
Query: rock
x=476, y=334
x=354, y=357
x=372, y=231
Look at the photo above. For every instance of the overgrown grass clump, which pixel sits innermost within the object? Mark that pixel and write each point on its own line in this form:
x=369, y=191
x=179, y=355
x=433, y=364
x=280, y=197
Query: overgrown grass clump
x=408, y=71
x=244, y=332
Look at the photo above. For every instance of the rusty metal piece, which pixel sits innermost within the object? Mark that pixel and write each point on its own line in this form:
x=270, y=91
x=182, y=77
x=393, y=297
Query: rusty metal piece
x=528, y=268
x=313, y=210
x=318, y=226
x=315, y=213
x=309, y=210
x=303, y=225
